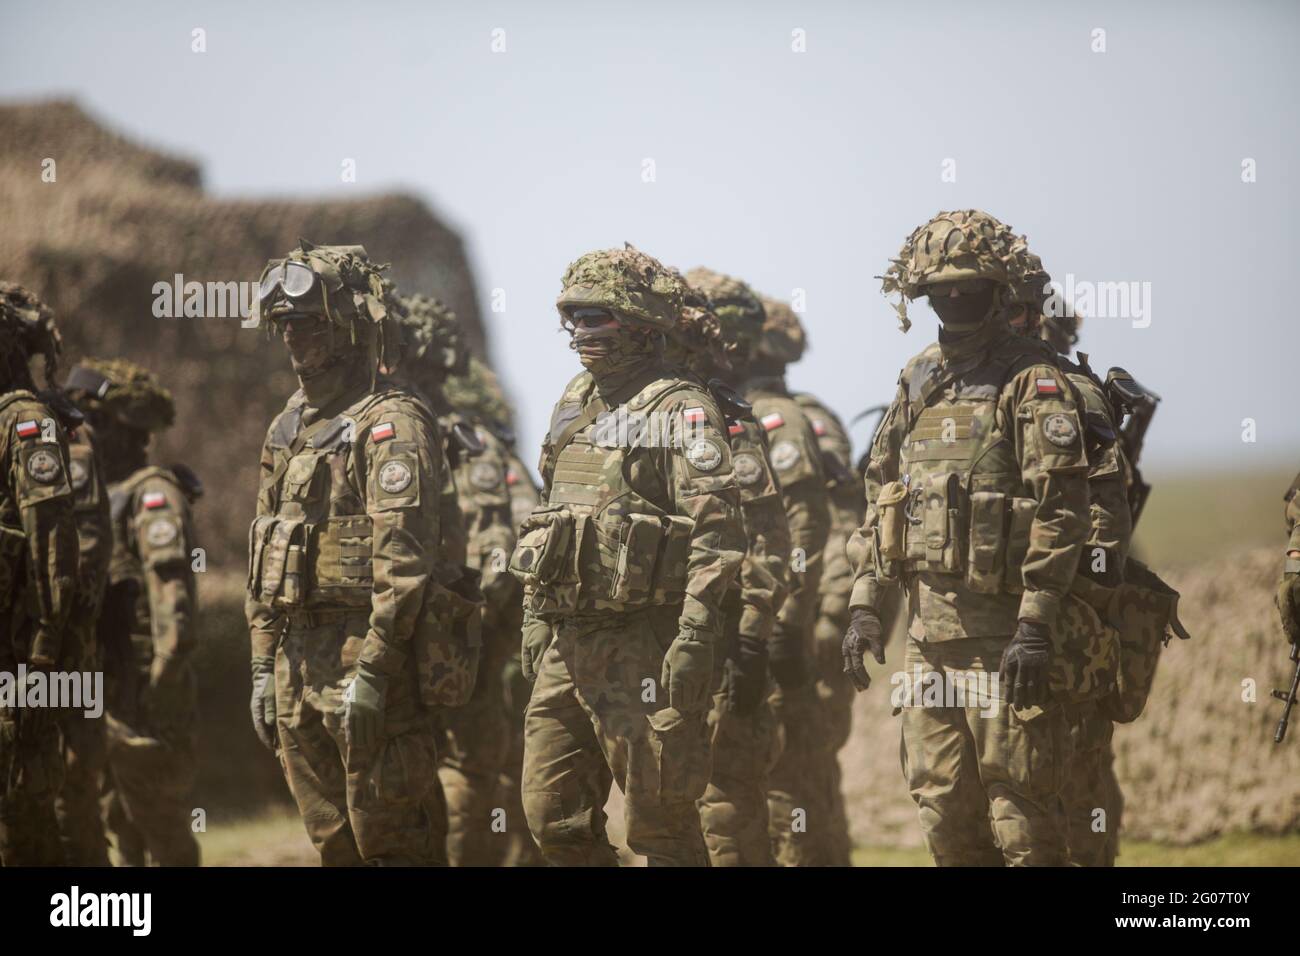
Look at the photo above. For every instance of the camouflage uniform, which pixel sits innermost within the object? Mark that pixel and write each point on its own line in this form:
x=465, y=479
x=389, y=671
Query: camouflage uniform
x=977, y=505
x=733, y=810
x=625, y=566
x=38, y=586
x=342, y=574
x=1288, y=598
x=147, y=631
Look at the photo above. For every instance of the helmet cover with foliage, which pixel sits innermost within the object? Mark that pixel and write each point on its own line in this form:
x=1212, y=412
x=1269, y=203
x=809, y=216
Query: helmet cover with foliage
x=629, y=283
x=739, y=310
x=1048, y=316
x=953, y=246
x=27, y=329
x=123, y=391
x=433, y=341
x=784, y=339
x=477, y=393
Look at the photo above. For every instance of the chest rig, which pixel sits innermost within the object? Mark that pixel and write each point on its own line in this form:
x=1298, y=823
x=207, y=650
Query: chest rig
x=606, y=538
x=314, y=549
x=959, y=505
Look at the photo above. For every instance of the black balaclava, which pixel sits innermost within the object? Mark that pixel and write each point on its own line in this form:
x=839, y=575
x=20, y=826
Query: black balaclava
x=616, y=355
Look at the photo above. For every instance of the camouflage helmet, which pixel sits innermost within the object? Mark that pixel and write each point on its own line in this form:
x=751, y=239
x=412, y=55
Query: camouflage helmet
x=432, y=337
x=27, y=328
x=1048, y=316
x=965, y=244
x=477, y=393
x=339, y=282
x=739, y=311
x=784, y=339
x=122, y=390
x=625, y=281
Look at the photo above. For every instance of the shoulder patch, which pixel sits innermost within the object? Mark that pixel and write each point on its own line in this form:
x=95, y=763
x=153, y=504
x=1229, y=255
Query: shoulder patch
x=28, y=428
x=153, y=500
x=485, y=475
x=44, y=466
x=735, y=428
x=395, y=476
x=382, y=432
x=819, y=427
x=694, y=415
x=78, y=473
x=704, y=454
x=160, y=532
x=773, y=420
x=785, y=455
x=1047, y=386
x=1060, y=430
x=747, y=467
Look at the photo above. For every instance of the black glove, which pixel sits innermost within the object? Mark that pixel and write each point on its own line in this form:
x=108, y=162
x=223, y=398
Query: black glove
x=1025, y=664
x=864, y=634
x=744, y=675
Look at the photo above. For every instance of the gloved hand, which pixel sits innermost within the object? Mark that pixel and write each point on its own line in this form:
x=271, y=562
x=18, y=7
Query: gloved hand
x=1288, y=605
x=865, y=634
x=363, y=717
x=744, y=675
x=263, y=703
x=536, y=639
x=688, y=673
x=1025, y=664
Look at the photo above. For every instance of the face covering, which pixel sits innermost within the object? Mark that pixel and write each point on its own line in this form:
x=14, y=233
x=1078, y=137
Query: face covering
x=123, y=449
x=961, y=314
x=613, y=354
x=323, y=357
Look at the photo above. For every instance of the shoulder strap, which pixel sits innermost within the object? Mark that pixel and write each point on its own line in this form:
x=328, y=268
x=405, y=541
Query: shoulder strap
x=297, y=445
x=593, y=410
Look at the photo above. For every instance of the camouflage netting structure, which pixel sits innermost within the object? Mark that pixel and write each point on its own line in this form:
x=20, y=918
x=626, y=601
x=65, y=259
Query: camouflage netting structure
x=1200, y=762
x=119, y=217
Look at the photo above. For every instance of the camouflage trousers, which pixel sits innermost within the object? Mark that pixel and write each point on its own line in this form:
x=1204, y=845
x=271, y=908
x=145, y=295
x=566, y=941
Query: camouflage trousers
x=376, y=805
x=588, y=725
x=520, y=848
x=800, y=812
x=31, y=773
x=152, y=751
x=1094, y=803
x=987, y=784
x=476, y=745
x=836, y=693
x=85, y=759
x=733, y=810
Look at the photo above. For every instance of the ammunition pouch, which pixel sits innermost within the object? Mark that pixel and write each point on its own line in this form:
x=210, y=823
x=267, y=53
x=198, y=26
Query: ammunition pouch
x=292, y=563
x=448, y=640
x=1144, y=613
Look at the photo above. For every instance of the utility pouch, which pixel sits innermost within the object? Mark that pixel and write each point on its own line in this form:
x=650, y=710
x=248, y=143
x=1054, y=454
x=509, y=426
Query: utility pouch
x=259, y=533
x=448, y=641
x=633, y=578
x=1019, y=522
x=674, y=553
x=987, y=542
x=891, y=521
x=940, y=522
x=545, y=542
x=1144, y=613
x=275, y=558
x=341, y=552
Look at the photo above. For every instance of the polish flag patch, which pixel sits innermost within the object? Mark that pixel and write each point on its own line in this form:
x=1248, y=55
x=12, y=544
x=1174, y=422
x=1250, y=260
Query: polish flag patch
x=773, y=421
x=694, y=415
x=154, y=499
x=1047, y=386
x=819, y=427
x=735, y=428
x=382, y=432
x=512, y=478
x=27, y=429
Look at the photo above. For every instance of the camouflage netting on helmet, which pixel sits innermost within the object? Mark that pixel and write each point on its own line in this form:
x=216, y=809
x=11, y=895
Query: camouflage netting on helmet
x=965, y=244
x=478, y=394
x=351, y=292
x=624, y=281
x=133, y=397
x=28, y=324
x=738, y=309
x=1055, y=319
x=432, y=339
x=784, y=339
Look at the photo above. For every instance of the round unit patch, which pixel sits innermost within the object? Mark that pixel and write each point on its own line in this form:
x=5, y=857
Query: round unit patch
x=394, y=477
x=747, y=467
x=44, y=466
x=1060, y=430
x=160, y=531
x=704, y=454
x=78, y=473
x=484, y=475
x=785, y=455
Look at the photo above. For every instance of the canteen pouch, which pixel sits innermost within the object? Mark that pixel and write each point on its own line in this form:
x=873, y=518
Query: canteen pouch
x=987, y=542
x=1143, y=611
x=1019, y=522
x=891, y=521
x=448, y=641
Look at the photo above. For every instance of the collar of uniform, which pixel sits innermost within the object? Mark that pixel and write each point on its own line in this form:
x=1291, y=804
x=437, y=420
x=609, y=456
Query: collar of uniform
x=767, y=385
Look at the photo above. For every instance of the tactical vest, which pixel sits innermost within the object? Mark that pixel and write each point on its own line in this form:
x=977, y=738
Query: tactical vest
x=597, y=544
x=313, y=551
x=959, y=505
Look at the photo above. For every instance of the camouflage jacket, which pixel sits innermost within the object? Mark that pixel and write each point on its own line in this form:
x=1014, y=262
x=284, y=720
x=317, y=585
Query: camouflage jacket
x=348, y=516
x=847, y=507
x=797, y=460
x=95, y=544
x=1293, y=516
x=976, y=491
x=763, y=577
x=627, y=525
x=38, y=537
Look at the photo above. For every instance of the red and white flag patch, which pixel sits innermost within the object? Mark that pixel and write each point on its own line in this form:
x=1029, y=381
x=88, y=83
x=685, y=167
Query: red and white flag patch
x=694, y=415
x=154, y=499
x=512, y=477
x=735, y=428
x=1048, y=386
x=27, y=429
x=819, y=427
x=773, y=421
x=382, y=432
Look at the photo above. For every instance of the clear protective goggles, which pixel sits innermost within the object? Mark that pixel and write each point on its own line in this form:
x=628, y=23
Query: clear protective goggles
x=294, y=279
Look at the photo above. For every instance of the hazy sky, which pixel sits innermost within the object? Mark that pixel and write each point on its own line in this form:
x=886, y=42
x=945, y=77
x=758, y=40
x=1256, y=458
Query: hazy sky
x=793, y=170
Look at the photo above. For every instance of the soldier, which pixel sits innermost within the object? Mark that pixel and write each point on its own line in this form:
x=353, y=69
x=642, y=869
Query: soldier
x=478, y=395
x=733, y=810
x=1288, y=593
x=782, y=343
x=476, y=737
x=38, y=585
x=625, y=566
x=351, y=642
x=977, y=505
x=147, y=629
x=799, y=808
